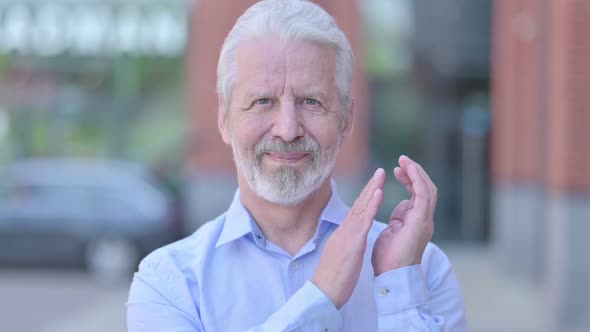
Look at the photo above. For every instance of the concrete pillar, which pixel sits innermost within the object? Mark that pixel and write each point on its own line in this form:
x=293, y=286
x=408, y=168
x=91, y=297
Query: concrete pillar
x=568, y=169
x=568, y=260
x=517, y=131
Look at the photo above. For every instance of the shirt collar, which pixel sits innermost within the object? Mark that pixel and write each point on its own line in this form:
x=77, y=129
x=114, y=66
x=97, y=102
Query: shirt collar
x=336, y=209
x=239, y=222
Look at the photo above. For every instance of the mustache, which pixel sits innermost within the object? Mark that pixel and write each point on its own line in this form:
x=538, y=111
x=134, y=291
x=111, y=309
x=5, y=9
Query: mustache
x=300, y=144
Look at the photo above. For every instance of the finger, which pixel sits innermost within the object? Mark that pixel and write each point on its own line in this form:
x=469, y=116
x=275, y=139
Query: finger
x=376, y=182
x=428, y=197
x=371, y=211
x=406, y=161
x=395, y=225
x=432, y=190
x=401, y=175
x=400, y=210
x=369, y=187
x=429, y=183
x=375, y=204
x=403, y=179
x=421, y=191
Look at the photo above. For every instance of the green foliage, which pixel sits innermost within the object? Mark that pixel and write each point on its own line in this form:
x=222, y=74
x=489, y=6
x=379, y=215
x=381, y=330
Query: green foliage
x=124, y=107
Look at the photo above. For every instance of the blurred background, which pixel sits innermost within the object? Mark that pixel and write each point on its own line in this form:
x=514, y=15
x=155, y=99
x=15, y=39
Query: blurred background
x=109, y=146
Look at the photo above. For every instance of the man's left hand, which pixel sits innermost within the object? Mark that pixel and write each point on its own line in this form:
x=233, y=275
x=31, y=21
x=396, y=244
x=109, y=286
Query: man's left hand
x=411, y=226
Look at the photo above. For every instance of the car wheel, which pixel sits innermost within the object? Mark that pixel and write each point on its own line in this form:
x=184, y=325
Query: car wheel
x=111, y=260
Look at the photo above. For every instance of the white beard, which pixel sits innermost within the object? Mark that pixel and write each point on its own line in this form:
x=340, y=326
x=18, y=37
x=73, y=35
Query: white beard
x=286, y=186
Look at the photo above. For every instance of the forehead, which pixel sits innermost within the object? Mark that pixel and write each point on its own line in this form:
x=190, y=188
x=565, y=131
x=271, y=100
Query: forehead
x=299, y=64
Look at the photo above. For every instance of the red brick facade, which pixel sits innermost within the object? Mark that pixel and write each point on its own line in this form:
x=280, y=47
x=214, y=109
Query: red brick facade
x=540, y=85
x=541, y=150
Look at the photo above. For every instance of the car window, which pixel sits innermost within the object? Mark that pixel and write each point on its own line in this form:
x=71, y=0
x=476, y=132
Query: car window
x=47, y=203
x=113, y=205
x=14, y=200
x=14, y=195
x=61, y=195
x=4, y=192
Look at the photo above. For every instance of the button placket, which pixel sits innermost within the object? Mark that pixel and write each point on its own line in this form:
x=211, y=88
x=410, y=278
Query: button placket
x=295, y=276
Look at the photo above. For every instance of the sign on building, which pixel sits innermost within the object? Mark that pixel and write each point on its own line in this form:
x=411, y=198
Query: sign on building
x=91, y=28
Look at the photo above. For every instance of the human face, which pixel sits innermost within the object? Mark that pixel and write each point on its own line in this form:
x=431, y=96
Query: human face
x=285, y=121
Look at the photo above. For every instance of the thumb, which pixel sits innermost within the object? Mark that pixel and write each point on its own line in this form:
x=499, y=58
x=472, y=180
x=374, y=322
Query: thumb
x=400, y=210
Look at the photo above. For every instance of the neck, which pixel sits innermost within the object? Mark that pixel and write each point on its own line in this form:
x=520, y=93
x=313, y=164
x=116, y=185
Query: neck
x=289, y=227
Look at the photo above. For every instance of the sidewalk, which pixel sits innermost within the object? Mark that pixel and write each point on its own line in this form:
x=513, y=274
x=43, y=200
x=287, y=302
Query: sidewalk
x=494, y=300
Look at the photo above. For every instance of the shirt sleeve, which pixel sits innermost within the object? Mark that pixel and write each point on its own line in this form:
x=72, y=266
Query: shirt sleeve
x=408, y=299
x=309, y=309
x=156, y=303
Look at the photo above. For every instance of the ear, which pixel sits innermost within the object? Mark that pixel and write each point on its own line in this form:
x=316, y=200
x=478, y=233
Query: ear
x=222, y=118
x=349, y=124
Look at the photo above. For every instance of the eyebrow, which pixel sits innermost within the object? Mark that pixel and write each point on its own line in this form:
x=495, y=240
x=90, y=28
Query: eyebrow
x=306, y=94
x=314, y=94
x=257, y=95
x=319, y=94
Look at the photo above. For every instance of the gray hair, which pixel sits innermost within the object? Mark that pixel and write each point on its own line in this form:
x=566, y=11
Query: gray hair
x=288, y=20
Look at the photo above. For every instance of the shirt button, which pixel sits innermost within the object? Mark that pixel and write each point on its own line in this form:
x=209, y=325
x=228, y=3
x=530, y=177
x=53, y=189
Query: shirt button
x=260, y=240
x=294, y=266
x=383, y=291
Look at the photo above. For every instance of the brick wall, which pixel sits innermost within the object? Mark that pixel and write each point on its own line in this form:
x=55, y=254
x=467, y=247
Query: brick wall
x=569, y=97
x=541, y=150
x=541, y=79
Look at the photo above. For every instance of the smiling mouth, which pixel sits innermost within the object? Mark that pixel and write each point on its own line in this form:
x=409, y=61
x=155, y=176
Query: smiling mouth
x=287, y=158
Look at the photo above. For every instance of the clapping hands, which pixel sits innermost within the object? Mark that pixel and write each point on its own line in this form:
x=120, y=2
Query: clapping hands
x=402, y=243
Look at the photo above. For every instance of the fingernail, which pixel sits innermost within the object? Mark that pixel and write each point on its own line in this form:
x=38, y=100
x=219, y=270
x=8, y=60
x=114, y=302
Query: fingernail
x=377, y=171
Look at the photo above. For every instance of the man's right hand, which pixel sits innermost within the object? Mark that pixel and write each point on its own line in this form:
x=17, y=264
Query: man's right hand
x=341, y=261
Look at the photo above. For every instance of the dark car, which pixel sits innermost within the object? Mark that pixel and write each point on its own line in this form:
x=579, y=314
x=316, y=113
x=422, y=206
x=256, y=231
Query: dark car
x=104, y=215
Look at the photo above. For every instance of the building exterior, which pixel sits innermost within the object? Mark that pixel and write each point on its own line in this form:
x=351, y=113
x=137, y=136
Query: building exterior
x=78, y=78
x=541, y=152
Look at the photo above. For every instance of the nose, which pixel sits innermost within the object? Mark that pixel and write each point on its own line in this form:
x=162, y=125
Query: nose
x=287, y=123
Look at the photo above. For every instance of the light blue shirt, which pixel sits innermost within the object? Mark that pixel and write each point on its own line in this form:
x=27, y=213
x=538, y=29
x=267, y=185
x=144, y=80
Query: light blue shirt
x=228, y=277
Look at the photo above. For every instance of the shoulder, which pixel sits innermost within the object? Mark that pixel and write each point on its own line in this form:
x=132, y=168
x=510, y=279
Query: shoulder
x=166, y=276
x=185, y=253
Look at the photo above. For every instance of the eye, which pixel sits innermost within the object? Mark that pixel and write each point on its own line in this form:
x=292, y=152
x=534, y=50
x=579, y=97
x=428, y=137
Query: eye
x=311, y=102
x=263, y=101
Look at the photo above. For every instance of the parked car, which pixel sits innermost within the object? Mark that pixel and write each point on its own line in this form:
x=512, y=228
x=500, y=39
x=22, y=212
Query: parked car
x=103, y=215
